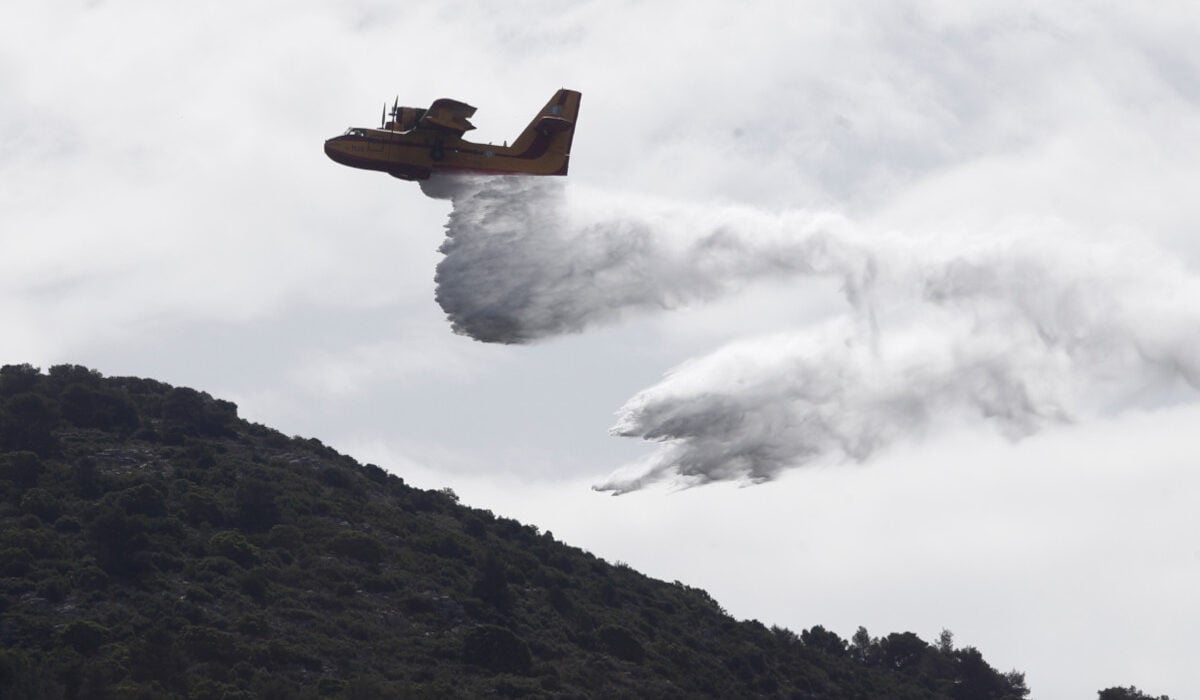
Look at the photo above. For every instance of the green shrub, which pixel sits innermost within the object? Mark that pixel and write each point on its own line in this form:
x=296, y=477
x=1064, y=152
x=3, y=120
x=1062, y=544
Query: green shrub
x=255, y=505
x=53, y=589
x=201, y=507
x=15, y=561
x=91, y=407
x=235, y=546
x=287, y=537
x=91, y=578
x=142, y=499
x=207, y=644
x=28, y=423
x=66, y=375
x=41, y=503
x=336, y=477
x=254, y=583
x=621, y=643
x=119, y=540
x=358, y=545
x=16, y=379
x=85, y=636
x=22, y=468
x=497, y=649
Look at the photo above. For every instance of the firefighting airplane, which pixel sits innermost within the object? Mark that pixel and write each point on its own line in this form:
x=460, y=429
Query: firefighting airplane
x=419, y=142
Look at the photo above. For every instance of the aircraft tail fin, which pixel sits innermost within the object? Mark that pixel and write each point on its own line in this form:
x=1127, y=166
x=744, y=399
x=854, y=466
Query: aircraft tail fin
x=547, y=139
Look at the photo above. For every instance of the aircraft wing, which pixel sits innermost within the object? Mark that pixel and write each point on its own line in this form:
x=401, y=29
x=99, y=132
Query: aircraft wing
x=447, y=115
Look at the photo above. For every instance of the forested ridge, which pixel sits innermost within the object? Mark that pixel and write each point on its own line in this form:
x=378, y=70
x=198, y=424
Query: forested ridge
x=156, y=545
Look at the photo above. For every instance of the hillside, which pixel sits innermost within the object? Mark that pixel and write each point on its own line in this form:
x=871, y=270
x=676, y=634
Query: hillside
x=156, y=545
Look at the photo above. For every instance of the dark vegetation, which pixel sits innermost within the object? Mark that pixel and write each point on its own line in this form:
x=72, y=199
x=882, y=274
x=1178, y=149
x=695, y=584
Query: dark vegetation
x=155, y=545
x=1130, y=693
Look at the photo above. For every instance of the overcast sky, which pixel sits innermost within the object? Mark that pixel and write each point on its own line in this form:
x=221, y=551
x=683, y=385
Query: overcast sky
x=940, y=371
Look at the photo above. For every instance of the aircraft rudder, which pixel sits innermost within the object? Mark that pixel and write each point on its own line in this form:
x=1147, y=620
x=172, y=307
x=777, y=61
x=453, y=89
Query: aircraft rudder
x=570, y=112
x=549, y=135
x=564, y=104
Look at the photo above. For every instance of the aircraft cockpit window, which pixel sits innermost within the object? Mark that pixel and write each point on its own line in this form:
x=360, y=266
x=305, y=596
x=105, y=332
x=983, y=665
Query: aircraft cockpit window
x=355, y=132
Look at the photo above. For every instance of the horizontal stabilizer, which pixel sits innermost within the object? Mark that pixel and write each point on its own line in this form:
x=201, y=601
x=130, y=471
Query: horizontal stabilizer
x=552, y=124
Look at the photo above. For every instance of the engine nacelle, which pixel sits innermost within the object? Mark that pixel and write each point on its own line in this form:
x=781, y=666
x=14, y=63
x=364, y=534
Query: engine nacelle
x=404, y=118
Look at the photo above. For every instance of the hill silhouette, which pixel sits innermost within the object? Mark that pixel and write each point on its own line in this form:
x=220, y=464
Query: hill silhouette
x=156, y=545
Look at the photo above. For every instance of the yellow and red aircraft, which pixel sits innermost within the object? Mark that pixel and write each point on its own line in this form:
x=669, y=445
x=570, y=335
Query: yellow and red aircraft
x=419, y=142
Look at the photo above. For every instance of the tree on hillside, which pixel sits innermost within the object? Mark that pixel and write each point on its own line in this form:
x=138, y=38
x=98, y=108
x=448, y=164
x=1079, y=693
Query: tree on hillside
x=27, y=422
x=901, y=651
x=1130, y=693
x=822, y=639
x=861, y=646
x=945, y=642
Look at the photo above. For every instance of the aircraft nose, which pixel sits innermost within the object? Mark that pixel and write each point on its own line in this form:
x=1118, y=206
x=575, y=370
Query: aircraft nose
x=333, y=152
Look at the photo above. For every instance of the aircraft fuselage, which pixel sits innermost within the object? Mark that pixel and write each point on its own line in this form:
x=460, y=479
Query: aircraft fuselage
x=542, y=149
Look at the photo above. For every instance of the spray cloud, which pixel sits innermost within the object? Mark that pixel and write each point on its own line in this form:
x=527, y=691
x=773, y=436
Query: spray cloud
x=1022, y=329
x=526, y=260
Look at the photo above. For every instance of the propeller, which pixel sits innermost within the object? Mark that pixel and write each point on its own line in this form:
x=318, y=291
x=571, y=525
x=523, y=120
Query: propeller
x=383, y=115
x=395, y=111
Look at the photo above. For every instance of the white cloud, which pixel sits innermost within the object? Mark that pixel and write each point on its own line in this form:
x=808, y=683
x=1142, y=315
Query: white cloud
x=347, y=374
